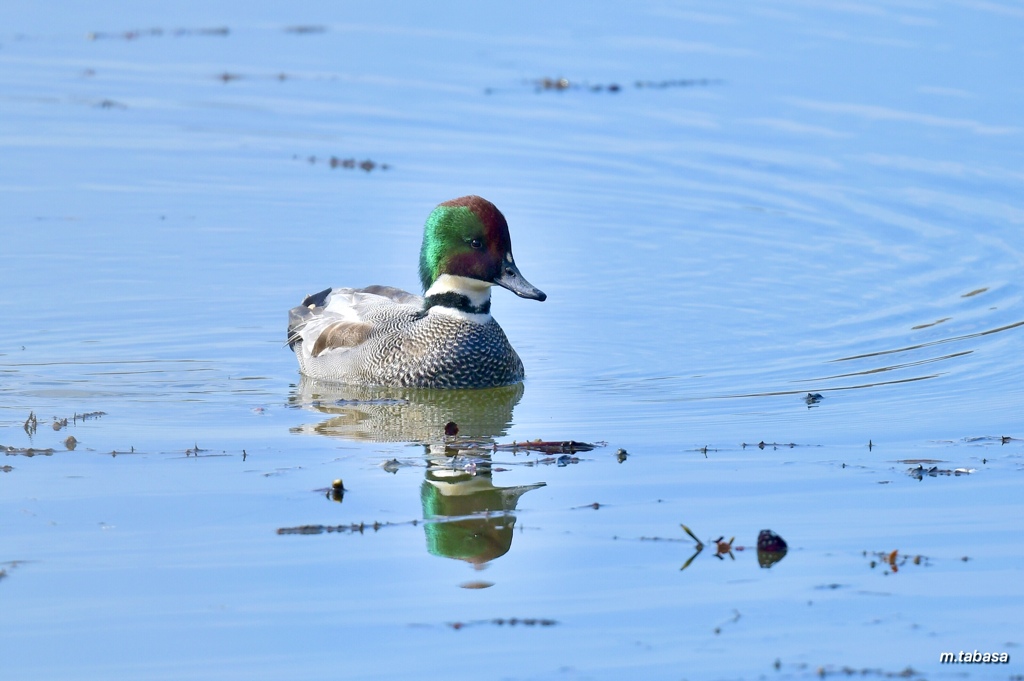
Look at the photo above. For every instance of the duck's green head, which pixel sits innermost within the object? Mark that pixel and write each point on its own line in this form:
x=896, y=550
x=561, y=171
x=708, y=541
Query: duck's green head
x=468, y=237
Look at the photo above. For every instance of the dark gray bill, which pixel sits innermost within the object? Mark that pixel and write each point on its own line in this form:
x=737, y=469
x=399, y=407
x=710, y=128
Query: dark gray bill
x=511, y=279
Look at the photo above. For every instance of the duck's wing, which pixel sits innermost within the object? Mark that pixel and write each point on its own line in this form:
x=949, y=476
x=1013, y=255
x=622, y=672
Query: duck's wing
x=396, y=294
x=337, y=319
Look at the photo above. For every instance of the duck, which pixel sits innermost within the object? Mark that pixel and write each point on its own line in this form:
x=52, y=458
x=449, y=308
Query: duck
x=446, y=338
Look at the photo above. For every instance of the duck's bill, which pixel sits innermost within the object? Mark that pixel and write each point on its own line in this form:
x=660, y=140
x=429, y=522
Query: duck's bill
x=511, y=279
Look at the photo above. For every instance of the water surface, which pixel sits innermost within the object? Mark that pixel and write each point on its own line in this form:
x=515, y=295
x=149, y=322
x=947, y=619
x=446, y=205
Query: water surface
x=772, y=201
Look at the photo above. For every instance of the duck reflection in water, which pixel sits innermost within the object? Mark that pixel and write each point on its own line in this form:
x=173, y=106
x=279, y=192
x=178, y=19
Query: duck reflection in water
x=468, y=517
x=471, y=519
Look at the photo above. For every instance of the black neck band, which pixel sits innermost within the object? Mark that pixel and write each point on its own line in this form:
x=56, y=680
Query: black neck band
x=456, y=301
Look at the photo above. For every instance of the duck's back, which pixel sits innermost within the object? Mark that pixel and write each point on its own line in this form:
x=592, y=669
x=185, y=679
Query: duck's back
x=384, y=336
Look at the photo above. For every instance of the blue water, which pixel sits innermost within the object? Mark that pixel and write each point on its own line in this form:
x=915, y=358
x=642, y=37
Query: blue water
x=774, y=200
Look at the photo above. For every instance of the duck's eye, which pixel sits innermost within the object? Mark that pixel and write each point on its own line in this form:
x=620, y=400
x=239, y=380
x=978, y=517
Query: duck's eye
x=477, y=244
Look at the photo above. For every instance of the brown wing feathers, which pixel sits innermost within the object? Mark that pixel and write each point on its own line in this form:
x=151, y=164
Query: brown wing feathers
x=341, y=335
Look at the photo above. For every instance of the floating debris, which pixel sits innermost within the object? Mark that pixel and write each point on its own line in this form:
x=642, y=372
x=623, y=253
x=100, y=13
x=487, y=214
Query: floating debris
x=735, y=618
x=333, y=162
x=59, y=423
x=679, y=82
x=476, y=585
x=564, y=84
x=769, y=541
x=305, y=30
x=771, y=548
x=336, y=492
x=25, y=451
x=31, y=423
x=724, y=548
x=621, y=455
x=8, y=566
x=774, y=445
x=500, y=622
x=687, y=530
x=813, y=399
x=1001, y=439
x=110, y=104
x=894, y=560
x=352, y=528
x=6, y=469
x=920, y=472
x=392, y=465
x=553, y=83
x=547, y=446
x=560, y=461
x=704, y=450
x=157, y=33
x=70, y=443
x=850, y=672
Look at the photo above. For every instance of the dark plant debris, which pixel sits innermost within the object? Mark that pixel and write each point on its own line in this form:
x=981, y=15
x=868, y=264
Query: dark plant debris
x=908, y=673
x=560, y=461
x=564, y=84
x=992, y=439
x=31, y=426
x=771, y=548
x=769, y=541
x=110, y=104
x=451, y=429
x=333, y=162
x=892, y=561
x=336, y=492
x=352, y=528
x=135, y=34
x=501, y=622
x=920, y=472
x=6, y=567
x=25, y=451
x=392, y=465
x=764, y=445
x=547, y=446
x=704, y=450
x=305, y=30
x=735, y=618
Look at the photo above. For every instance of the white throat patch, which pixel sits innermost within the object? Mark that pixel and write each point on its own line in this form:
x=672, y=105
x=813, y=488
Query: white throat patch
x=478, y=292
